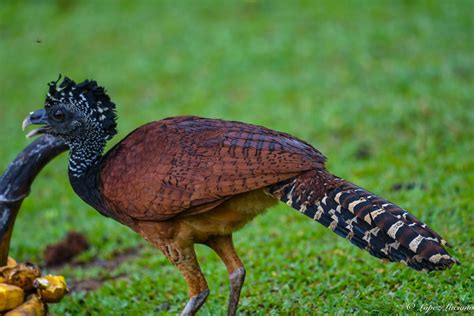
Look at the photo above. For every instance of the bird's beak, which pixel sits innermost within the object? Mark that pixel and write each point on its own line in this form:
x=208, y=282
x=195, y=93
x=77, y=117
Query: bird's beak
x=38, y=117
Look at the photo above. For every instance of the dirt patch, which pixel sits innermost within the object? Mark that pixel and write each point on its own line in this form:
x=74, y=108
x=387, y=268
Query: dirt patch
x=85, y=285
x=108, y=265
x=114, y=261
x=92, y=284
x=66, y=250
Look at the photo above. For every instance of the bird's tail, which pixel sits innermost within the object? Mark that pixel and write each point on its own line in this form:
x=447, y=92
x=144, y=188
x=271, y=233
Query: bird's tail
x=382, y=228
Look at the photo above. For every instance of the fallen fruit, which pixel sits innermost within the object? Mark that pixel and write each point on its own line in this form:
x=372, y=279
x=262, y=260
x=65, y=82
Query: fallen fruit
x=33, y=306
x=10, y=296
x=51, y=288
x=11, y=262
x=22, y=275
x=18, y=281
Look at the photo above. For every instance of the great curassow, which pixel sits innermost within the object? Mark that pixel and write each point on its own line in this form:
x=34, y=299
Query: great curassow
x=186, y=180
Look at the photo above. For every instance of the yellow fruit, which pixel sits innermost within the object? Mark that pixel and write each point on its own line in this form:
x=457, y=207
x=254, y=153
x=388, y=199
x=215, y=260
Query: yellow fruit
x=11, y=262
x=31, y=307
x=22, y=275
x=51, y=288
x=10, y=296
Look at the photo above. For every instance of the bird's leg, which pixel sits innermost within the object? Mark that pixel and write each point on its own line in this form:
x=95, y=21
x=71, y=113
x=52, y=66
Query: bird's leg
x=184, y=258
x=224, y=247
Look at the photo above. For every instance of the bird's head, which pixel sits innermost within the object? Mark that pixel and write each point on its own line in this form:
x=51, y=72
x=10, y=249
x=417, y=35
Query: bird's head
x=75, y=112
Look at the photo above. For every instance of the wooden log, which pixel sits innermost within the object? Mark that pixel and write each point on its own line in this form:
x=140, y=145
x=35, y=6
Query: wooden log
x=16, y=181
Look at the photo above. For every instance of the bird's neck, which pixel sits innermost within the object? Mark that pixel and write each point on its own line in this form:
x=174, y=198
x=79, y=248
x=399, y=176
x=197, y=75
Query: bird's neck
x=84, y=173
x=83, y=155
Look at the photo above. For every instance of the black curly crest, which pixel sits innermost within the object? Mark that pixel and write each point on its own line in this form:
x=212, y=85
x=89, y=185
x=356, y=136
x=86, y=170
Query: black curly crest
x=87, y=98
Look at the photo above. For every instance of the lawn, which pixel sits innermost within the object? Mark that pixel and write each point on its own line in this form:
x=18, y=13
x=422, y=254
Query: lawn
x=385, y=89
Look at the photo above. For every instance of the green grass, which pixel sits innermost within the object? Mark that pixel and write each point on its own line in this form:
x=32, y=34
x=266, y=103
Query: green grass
x=394, y=78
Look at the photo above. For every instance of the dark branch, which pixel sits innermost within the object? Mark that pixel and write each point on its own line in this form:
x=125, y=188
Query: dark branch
x=16, y=181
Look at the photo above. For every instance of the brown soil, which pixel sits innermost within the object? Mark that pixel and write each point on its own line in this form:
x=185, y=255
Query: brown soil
x=64, y=252
x=114, y=261
x=67, y=249
x=92, y=284
x=108, y=265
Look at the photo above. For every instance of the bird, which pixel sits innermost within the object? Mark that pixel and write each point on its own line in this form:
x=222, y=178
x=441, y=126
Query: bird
x=189, y=180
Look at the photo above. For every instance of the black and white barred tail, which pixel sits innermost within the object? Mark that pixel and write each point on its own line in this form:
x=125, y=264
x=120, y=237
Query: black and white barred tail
x=382, y=228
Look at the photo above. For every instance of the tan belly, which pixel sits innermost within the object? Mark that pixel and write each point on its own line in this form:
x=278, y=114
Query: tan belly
x=230, y=215
x=224, y=219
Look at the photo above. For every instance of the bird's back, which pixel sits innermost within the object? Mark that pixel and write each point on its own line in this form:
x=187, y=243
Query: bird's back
x=188, y=165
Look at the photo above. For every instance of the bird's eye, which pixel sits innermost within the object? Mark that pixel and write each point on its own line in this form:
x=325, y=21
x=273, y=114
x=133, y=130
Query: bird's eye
x=58, y=115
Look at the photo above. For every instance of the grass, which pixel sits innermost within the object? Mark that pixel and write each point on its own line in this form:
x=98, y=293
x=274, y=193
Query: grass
x=384, y=89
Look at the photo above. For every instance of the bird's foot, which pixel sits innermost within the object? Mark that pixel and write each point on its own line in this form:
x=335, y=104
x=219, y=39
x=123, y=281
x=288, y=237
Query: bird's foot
x=195, y=303
x=237, y=278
